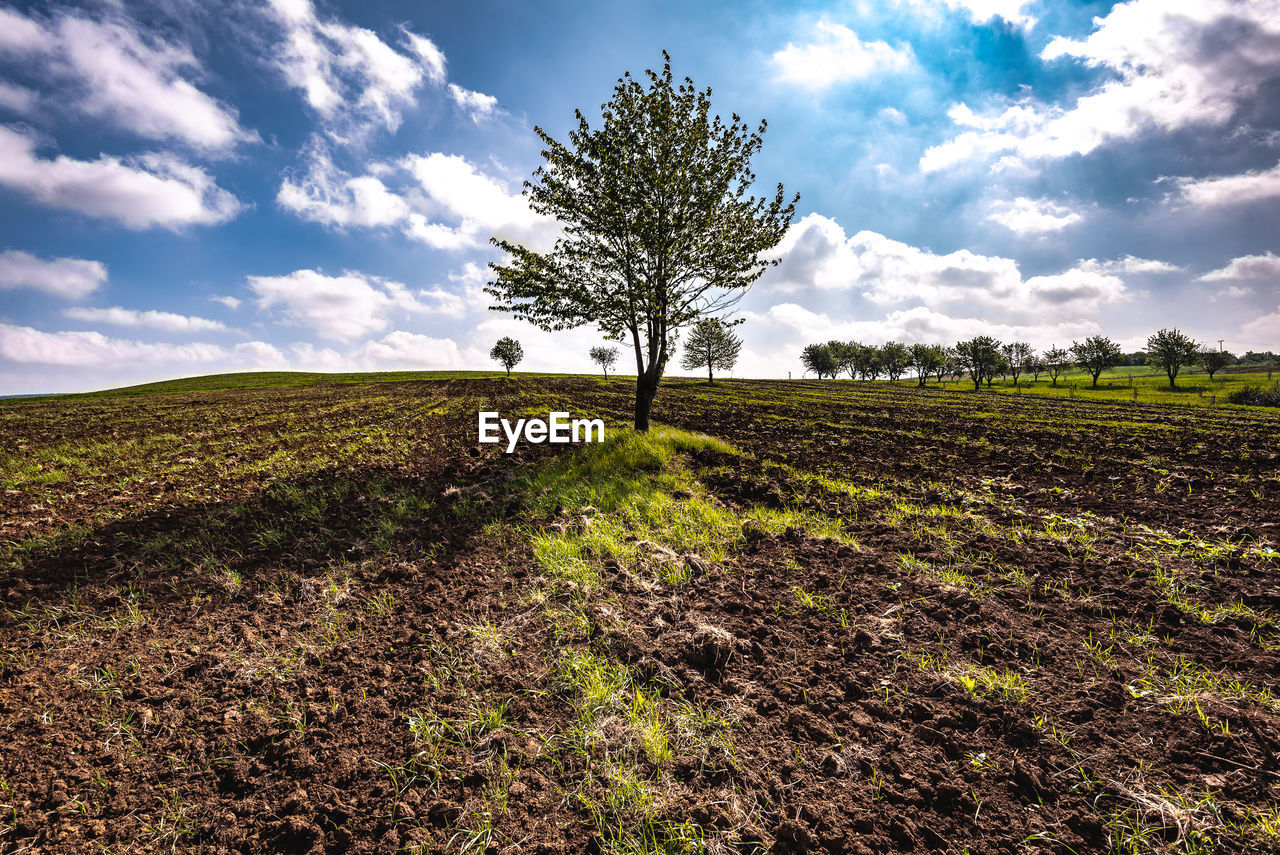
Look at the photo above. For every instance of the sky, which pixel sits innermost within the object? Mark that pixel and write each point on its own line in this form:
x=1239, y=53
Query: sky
x=190, y=188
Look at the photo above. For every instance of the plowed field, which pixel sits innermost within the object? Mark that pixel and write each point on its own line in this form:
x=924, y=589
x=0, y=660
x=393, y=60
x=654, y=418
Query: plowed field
x=799, y=617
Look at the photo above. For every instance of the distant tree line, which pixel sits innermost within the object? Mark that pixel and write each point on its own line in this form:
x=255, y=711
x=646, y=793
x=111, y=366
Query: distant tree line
x=983, y=358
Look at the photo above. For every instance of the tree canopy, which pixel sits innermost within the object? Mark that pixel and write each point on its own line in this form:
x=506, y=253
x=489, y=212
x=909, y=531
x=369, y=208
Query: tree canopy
x=1096, y=354
x=507, y=351
x=711, y=345
x=659, y=227
x=605, y=357
x=1172, y=350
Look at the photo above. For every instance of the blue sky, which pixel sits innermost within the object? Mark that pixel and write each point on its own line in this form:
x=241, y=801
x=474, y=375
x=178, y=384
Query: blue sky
x=190, y=188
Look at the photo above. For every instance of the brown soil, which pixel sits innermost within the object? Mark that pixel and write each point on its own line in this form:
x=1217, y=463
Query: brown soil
x=220, y=624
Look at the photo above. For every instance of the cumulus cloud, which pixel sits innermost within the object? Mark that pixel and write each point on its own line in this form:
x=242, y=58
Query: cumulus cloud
x=230, y=302
x=443, y=200
x=1193, y=63
x=475, y=104
x=16, y=98
x=1026, y=216
x=64, y=277
x=29, y=346
x=348, y=306
x=353, y=78
x=141, y=192
x=1265, y=267
x=331, y=197
x=107, y=69
x=1230, y=189
x=816, y=254
x=836, y=55
x=152, y=319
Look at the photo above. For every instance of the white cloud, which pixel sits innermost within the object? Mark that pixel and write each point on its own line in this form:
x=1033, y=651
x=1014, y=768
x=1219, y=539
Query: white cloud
x=148, y=190
x=1025, y=216
x=348, y=74
x=328, y=196
x=1231, y=189
x=16, y=98
x=836, y=55
x=28, y=346
x=65, y=277
x=347, y=306
x=440, y=199
x=476, y=104
x=1133, y=264
x=111, y=71
x=1247, y=267
x=816, y=254
x=1174, y=63
x=230, y=302
x=1262, y=333
x=152, y=319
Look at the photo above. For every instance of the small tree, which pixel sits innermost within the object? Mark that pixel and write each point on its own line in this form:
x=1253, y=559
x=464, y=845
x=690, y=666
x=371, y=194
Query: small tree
x=507, y=351
x=1096, y=354
x=1020, y=357
x=711, y=345
x=981, y=357
x=605, y=357
x=844, y=353
x=895, y=359
x=819, y=359
x=1216, y=360
x=1172, y=350
x=866, y=361
x=926, y=360
x=945, y=363
x=1056, y=361
x=659, y=227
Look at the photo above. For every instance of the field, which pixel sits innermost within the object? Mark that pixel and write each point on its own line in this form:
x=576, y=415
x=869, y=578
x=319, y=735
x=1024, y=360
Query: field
x=799, y=617
x=1129, y=384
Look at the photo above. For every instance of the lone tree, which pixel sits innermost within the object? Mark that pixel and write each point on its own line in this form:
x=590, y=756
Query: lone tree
x=605, y=357
x=507, y=351
x=819, y=359
x=1056, y=361
x=710, y=345
x=1172, y=350
x=1096, y=354
x=981, y=357
x=659, y=229
x=1216, y=360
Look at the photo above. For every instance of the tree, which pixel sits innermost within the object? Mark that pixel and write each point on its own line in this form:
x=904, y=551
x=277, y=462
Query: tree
x=894, y=359
x=1215, y=360
x=711, y=345
x=946, y=363
x=819, y=359
x=926, y=360
x=1056, y=361
x=845, y=354
x=1097, y=354
x=981, y=357
x=507, y=351
x=659, y=229
x=1020, y=356
x=605, y=357
x=866, y=361
x=1172, y=350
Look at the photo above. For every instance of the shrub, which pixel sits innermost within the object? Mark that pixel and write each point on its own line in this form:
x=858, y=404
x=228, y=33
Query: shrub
x=1255, y=396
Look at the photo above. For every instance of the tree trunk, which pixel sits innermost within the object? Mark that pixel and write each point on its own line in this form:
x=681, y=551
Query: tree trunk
x=710, y=379
x=646, y=388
